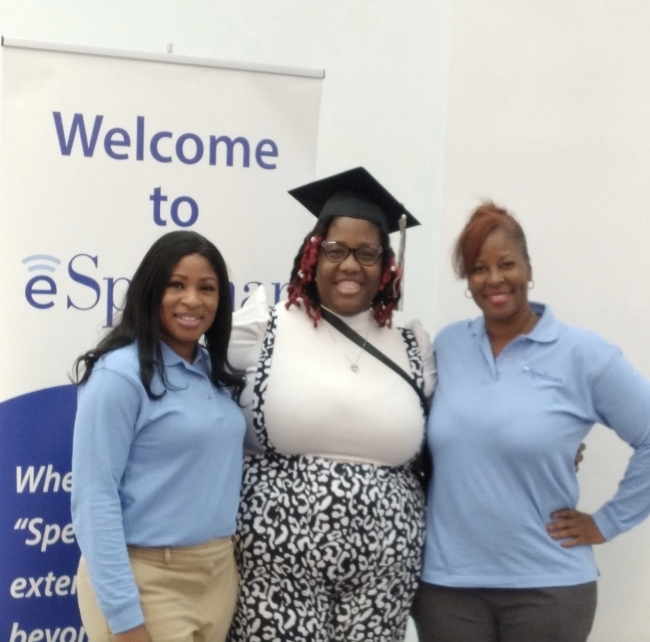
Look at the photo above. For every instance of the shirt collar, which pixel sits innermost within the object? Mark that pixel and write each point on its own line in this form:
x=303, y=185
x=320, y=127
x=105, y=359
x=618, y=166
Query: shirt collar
x=171, y=358
x=547, y=329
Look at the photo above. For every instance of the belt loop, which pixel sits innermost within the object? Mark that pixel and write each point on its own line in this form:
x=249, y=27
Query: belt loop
x=168, y=555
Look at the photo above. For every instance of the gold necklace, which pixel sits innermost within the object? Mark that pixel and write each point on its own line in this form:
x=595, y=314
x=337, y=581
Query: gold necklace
x=353, y=364
x=530, y=324
x=498, y=343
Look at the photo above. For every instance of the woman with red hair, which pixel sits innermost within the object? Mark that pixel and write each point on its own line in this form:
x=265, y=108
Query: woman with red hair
x=508, y=557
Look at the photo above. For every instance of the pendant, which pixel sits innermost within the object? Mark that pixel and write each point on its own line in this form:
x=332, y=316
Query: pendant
x=354, y=367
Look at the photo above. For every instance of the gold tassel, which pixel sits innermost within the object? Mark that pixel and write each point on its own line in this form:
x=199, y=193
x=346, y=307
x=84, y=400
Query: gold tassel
x=400, y=256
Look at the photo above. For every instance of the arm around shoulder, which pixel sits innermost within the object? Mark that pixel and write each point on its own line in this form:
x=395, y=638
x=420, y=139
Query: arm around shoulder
x=248, y=329
x=426, y=352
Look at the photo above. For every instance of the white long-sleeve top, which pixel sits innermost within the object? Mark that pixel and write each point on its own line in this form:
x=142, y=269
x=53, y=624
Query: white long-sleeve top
x=315, y=404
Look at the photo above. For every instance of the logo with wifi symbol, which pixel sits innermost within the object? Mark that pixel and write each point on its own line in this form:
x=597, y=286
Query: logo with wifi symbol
x=41, y=262
x=40, y=284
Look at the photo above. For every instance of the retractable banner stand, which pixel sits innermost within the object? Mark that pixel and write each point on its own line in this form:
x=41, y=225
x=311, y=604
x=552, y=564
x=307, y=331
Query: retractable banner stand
x=102, y=152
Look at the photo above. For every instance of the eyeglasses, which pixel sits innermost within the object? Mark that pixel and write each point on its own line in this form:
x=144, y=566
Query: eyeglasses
x=365, y=255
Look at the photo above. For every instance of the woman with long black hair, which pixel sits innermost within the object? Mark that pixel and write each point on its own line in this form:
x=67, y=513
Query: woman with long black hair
x=157, y=456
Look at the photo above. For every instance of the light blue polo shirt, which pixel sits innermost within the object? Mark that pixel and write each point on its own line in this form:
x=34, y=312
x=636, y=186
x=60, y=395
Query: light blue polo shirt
x=504, y=433
x=146, y=472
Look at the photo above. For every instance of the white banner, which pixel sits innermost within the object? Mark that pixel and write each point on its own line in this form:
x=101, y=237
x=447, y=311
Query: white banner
x=102, y=152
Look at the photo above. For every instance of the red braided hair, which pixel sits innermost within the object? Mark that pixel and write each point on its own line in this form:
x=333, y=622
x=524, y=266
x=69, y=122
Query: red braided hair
x=388, y=294
x=304, y=277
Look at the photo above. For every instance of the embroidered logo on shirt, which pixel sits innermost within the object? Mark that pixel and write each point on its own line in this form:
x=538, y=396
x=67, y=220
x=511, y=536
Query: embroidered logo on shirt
x=535, y=374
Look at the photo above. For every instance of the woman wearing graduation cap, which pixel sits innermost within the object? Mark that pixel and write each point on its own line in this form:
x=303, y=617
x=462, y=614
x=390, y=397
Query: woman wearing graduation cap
x=331, y=519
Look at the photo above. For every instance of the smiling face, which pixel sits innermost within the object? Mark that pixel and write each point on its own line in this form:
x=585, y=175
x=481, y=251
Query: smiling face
x=189, y=304
x=499, y=278
x=348, y=288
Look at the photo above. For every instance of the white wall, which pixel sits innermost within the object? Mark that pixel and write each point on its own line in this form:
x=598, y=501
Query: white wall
x=549, y=115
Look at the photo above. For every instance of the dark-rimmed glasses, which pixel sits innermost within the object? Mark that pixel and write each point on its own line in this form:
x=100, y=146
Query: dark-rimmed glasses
x=337, y=252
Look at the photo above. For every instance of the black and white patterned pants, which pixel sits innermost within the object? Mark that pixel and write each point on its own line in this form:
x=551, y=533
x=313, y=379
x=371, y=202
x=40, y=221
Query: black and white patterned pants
x=328, y=551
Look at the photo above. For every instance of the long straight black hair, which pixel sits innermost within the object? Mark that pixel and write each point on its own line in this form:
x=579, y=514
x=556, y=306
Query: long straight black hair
x=140, y=320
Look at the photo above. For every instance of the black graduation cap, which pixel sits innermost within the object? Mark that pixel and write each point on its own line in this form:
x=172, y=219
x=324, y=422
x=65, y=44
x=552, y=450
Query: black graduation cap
x=354, y=193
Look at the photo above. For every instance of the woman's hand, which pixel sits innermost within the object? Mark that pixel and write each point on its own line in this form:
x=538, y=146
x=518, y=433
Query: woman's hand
x=579, y=456
x=139, y=634
x=576, y=528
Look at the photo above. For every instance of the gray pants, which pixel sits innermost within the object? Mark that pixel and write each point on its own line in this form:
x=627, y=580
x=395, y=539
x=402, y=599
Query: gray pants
x=554, y=614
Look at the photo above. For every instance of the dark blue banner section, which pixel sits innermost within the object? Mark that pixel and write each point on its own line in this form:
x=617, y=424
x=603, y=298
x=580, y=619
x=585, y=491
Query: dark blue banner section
x=38, y=601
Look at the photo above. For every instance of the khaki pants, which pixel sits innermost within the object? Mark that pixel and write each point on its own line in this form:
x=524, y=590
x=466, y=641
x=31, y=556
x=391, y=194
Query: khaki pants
x=187, y=594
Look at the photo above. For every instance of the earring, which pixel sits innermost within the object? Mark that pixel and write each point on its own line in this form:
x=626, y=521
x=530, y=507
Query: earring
x=468, y=294
x=531, y=284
